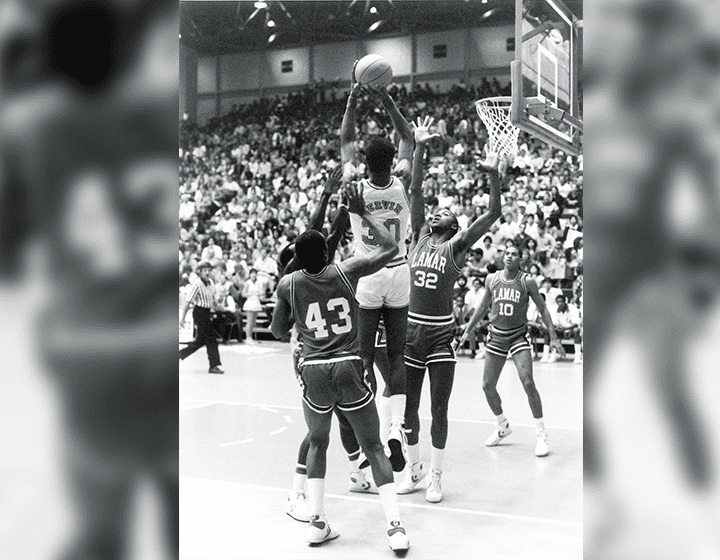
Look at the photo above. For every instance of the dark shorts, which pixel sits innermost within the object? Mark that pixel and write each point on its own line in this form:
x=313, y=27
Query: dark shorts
x=500, y=342
x=327, y=383
x=425, y=344
x=381, y=336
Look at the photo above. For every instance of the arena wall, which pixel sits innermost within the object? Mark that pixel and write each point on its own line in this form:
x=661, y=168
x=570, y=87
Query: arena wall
x=227, y=79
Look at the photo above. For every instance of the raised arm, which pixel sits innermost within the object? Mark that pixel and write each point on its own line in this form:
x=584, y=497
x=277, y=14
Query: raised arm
x=331, y=187
x=347, y=128
x=544, y=314
x=417, y=201
x=337, y=230
x=467, y=238
x=404, y=132
x=358, y=266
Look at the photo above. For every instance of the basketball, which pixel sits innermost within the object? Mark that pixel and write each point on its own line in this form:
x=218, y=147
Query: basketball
x=374, y=71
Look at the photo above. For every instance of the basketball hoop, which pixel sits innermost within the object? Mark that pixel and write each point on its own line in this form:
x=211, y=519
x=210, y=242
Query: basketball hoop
x=502, y=134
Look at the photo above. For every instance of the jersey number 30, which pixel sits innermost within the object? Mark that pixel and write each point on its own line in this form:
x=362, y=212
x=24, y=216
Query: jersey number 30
x=391, y=224
x=314, y=319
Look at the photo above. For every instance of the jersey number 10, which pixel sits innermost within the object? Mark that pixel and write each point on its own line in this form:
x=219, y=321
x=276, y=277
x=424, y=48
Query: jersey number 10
x=315, y=321
x=506, y=309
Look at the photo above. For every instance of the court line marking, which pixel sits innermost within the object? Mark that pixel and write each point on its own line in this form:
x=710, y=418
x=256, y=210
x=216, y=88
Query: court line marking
x=188, y=480
x=276, y=432
x=236, y=442
x=490, y=422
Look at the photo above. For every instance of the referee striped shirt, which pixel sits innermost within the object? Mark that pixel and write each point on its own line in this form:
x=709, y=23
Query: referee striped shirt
x=200, y=294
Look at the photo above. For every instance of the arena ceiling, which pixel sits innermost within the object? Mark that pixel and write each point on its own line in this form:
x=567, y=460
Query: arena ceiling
x=215, y=26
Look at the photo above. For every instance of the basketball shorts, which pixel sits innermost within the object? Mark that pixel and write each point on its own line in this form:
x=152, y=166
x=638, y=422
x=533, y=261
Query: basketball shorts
x=426, y=344
x=501, y=341
x=389, y=287
x=334, y=382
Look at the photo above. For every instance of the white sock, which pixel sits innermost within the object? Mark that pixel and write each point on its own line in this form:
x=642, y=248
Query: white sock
x=413, y=452
x=500, y=419
x=299, y=482
x=539, y=424
x=389, y=501
x=436, y=458
x=397, y=409
x=383, y=405
x=354, y=464
x=316, y=496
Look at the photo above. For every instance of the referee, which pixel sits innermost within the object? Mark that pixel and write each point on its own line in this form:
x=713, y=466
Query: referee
x=201, y=295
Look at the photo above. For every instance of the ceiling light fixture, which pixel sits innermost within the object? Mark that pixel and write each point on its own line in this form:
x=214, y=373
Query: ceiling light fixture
x=375, y=25
x=488, y=13
x=273, y=37
x=260, y=5
x=271, y=23
x=373, y=10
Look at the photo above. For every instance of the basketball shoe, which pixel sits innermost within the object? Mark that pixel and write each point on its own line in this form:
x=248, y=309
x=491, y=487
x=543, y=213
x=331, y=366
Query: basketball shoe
x=433, y=494
x=399, y=540
x=319, y=530
x=542, y=447
x=500, y=432
x=296, y=506
x=413, y=476
x=361, y=482
x=397, y=442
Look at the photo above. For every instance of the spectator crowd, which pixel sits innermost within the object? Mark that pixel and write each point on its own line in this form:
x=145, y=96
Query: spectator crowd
x=251, y=179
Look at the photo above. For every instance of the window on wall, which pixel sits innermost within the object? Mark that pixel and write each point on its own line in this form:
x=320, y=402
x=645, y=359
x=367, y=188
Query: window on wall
x=286, y=66
x=510, y=44
x=440, y=51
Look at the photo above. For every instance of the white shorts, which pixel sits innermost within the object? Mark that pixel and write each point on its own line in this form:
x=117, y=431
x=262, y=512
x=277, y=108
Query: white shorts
x=389, y=287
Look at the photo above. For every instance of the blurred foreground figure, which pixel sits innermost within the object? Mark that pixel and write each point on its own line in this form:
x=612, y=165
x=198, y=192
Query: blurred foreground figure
x=652, y=72
x=88, y=124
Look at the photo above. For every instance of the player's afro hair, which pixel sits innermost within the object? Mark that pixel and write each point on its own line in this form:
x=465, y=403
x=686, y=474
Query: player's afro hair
x=311, y=250
x=379, y=155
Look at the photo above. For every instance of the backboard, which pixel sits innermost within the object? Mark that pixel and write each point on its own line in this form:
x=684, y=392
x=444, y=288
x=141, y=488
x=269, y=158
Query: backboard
x=546, y=73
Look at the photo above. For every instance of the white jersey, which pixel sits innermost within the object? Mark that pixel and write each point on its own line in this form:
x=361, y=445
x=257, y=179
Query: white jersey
x=391, y=207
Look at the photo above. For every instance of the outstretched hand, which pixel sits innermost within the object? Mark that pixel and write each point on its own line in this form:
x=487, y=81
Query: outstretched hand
x=380, y=93
x=492, y=161
x=334, y=178
x=421, y=130
x=354, y=198
x=355, y=88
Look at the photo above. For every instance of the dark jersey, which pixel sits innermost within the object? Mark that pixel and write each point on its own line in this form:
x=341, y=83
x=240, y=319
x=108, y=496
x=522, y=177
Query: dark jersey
x=433, y=273
x=509, y=301
x=324, y=308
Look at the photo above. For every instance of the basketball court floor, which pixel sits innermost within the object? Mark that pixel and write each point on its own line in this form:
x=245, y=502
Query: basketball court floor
x=239, y=435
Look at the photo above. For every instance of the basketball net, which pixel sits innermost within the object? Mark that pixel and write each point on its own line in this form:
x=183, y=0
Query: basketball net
x=502, y=134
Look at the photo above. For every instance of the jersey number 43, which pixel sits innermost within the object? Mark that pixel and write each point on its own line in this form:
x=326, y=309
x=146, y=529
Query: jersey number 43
x=315, y=321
